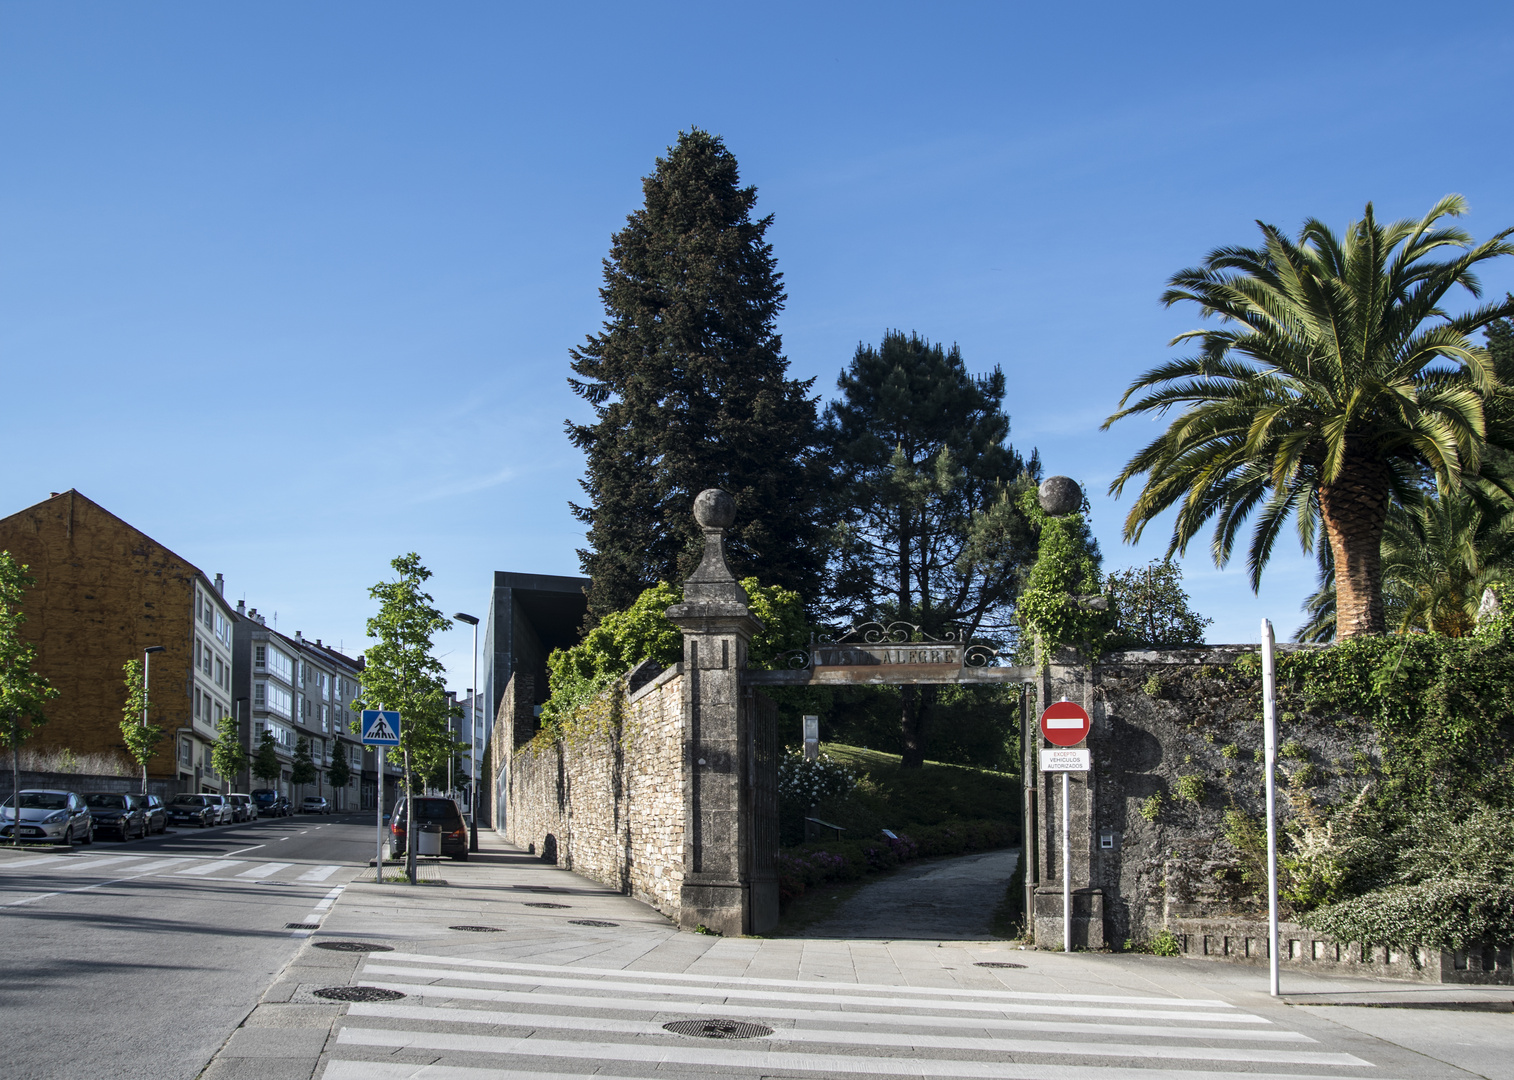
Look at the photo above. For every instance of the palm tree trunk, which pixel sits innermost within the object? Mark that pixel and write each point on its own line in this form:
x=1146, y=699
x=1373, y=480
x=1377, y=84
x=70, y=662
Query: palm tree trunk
x=1355, y=509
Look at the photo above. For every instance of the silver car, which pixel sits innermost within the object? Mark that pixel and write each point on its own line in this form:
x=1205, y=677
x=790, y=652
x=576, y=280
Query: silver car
x=58, y=817
x=225, y=812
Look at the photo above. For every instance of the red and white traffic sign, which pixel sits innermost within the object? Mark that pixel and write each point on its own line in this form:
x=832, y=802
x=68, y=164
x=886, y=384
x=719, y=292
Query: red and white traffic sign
x=1065, y=723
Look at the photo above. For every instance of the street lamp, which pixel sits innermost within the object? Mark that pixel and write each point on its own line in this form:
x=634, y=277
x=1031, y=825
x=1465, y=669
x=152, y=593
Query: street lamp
x=146, y=680
x=472, y=737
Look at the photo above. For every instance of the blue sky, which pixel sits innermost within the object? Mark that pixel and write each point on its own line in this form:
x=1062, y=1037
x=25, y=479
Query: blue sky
x=291, y=287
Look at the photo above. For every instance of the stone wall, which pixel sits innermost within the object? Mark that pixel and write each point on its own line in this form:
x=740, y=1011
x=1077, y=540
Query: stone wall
x=608, y=804
x=1176, y=745
x=81, y=783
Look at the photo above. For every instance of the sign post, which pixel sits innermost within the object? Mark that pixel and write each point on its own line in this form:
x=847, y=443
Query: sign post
x=1269, y=744
x=1065, y=724
x=381, y=730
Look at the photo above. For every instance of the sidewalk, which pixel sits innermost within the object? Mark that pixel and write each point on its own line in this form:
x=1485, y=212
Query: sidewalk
x=535, y=914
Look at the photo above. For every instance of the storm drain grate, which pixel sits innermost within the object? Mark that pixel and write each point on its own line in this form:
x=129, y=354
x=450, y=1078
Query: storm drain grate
x=479, y=929
x=357, y=993
x=592, y=922
x=540, y=904
x=351, y=946
x=997, y=964
x=718, y=1029
x=302, y=926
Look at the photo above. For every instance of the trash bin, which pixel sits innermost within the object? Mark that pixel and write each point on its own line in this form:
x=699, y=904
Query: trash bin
x=428, y=840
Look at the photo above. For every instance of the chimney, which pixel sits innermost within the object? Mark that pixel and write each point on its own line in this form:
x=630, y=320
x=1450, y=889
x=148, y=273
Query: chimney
x=317, y=641
x=220, y=585
x=299, y=637
x=242, y=608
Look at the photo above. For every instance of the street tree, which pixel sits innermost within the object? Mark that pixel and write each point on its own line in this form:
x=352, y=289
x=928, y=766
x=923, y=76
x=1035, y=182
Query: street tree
x=402, y=674
x=141, y=737
x=930, y=527
x=23, y=692
x=1151, y=607
x=1336, y=382
x=265, y=763
x=689, y=388
x=229, y=757
x=302, y=768
x=339, y=772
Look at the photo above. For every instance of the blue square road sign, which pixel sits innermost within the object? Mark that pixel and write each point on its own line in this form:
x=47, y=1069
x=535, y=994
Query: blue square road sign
x=380, y=728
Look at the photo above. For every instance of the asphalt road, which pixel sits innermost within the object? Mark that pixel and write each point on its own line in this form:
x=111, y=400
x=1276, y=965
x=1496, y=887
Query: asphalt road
x=139, y=959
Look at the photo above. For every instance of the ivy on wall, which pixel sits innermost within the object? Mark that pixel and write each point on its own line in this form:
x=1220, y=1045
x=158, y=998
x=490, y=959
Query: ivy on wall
x=1066, y=567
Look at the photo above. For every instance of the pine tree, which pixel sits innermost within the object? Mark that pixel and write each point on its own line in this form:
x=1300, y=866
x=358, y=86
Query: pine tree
x=689, y=389
x=931, y=530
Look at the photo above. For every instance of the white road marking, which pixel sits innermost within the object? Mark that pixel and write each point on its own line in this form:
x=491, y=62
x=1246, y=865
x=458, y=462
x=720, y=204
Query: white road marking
x=393, y=1070
x=726, y=1008
x=726, y=1057
x=872, y=1038
x=831, y=999
x=211, y=867
x=245, y=850
x=811, y=984
x=319, y=873
x=320, y=911
x=263, y=870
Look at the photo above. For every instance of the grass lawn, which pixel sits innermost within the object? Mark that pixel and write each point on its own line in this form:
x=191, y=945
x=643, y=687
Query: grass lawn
x=889, y=797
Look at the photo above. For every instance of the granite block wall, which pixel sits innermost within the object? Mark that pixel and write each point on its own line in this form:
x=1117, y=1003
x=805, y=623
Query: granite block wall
x=610, y=804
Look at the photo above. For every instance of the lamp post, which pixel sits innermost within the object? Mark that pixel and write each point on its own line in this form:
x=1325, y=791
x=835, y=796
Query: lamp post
x=146, y=681
x=472, y=737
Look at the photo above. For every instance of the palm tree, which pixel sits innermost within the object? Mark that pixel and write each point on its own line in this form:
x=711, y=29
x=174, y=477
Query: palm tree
x=1337, y=382
x=1439, y=553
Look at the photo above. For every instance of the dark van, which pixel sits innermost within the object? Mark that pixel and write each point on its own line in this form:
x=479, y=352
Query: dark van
x=270, y=803
x=431, y=810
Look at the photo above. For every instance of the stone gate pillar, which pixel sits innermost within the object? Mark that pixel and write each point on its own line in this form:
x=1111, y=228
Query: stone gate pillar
x=718, y=829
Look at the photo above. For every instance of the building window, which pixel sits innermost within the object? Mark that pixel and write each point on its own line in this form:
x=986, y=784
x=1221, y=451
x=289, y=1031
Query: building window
x=279, y=700
x=206, y=659
x=260, y=694
x=223, y=629
x=220, y=673
x=186, y=752
x=260, y=656
x=280, y=665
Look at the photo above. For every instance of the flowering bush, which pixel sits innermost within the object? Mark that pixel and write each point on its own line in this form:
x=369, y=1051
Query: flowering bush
x=807, y=783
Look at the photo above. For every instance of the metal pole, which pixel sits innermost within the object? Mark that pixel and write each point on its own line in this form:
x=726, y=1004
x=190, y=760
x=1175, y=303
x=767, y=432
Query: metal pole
x=378, y=811
x=411, y=843
x=1269, y=735
x=146, y=679
x=1066, y=864
x=473, y=762
x=1028, y=825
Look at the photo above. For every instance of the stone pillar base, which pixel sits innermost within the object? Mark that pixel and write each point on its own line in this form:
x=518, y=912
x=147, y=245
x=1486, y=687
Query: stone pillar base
x=1087, y=917
x=720, y=907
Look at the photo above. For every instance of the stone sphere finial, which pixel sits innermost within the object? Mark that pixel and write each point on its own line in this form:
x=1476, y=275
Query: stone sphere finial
x=714, y=509
x=1059, y=495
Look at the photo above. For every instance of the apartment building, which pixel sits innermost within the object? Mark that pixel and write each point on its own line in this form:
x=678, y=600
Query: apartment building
x=106, y=591
x=298, y=689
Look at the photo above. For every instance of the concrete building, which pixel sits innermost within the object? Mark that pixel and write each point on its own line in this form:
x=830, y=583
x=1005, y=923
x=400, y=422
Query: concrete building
x=105, y=591
x=529, y=616
x=298, y=689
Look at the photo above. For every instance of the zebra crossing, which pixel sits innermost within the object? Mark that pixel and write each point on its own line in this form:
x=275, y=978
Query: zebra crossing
x=457, y=1018
x=43, y=872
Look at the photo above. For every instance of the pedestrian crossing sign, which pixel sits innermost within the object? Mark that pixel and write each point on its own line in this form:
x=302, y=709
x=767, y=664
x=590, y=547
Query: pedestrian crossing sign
x=381, y=728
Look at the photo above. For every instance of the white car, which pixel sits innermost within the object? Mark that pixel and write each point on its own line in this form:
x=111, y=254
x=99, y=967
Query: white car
x=225, y=812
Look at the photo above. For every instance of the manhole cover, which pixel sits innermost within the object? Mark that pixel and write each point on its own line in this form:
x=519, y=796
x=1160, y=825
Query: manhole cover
x=545, y=905
x=997, y=964
x=718, y=1029
x=357, y=993
x=302, y=926
x=479, y=929
x=351, y=946
x=592, y=922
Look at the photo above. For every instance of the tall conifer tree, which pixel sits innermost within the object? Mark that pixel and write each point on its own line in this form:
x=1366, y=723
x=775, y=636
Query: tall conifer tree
x=689, y=388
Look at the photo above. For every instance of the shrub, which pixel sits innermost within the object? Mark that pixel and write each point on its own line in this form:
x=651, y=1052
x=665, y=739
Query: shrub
x=1191, y=788
x=1450, y=914
x=1151, y=809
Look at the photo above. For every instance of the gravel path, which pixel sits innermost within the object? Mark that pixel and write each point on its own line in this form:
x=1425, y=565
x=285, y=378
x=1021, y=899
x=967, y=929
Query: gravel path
x=949, y=899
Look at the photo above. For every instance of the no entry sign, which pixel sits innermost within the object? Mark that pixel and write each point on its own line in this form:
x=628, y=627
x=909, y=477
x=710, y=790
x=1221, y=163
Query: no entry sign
x=1065, y=723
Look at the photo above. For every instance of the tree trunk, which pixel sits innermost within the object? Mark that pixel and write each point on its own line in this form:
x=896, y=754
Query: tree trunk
x=1354, y=510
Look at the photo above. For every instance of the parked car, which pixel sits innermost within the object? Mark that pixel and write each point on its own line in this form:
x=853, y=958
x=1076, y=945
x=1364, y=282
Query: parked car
x=195, y=810
x=270, y=803
x=224, y=809
x=153, y=812
x=59, y=817
x=241, y=806
x=314, y=804
x=116, y=813
x=431, y=810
